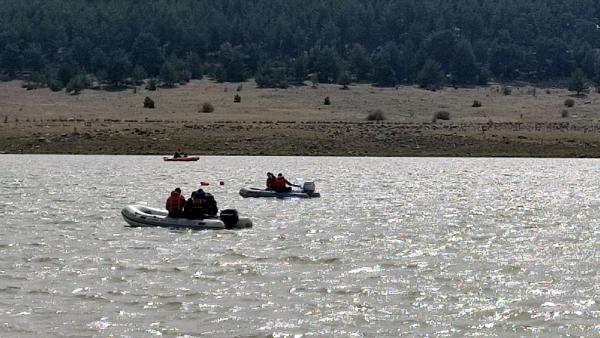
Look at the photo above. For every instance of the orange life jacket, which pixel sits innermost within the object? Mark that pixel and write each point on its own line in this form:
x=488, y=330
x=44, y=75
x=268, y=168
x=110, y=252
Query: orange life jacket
x=279, y=183
x=175, y=202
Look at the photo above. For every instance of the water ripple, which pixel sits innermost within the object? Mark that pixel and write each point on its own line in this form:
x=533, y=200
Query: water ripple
x=395, y=247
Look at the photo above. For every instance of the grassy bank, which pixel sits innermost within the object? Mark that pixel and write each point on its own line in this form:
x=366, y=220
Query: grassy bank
x=528, y=122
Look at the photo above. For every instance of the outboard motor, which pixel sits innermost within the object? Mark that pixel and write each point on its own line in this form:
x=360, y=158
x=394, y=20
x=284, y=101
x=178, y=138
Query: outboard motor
x=309, y=188
x=230, y=217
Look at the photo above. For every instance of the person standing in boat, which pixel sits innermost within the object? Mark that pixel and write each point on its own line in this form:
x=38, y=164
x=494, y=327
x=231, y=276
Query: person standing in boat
x=270, y=181
x=281, y=184
x=175, y=204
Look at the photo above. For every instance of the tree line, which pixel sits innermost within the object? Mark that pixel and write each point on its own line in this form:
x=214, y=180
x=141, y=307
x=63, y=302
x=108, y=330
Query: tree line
x=72, y=43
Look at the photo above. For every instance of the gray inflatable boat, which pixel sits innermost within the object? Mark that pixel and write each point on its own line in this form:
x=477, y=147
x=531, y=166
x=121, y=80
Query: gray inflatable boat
x=308, y=191
x=143, y=216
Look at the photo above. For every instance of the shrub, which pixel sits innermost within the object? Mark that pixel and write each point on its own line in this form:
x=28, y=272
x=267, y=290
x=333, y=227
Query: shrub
x=441, y=115
x=237, y=98
x=376, y=115
x=272, y=77
x=207, y=107
x=570, y=103
x=239, y=87
x=55, y=85
x=327, y=101
x=564, y=113
x=506, y=90
x=477, y=104
x=30, y=85
x=148, y=103
x=76, y=84
x=152, y=84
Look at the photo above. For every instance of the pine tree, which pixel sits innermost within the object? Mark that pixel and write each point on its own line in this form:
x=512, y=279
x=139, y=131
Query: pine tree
x=146, y=53
x=464, y=68
x=168, y=74
x=577, y=83
x=431, y=75
x=118, y=67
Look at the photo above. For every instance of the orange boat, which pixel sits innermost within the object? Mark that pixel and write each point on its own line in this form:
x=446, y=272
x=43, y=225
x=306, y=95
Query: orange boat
x=181, y=159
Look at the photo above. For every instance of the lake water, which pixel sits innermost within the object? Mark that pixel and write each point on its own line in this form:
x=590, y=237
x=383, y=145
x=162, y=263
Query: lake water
x=395, y=246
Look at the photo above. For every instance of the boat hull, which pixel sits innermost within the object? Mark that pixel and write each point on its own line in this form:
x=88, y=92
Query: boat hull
x=256, y=193
x=142, y=216
x=181, y=159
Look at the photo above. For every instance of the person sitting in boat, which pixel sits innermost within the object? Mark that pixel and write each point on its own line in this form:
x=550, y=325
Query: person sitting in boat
x=177, y=155
x=193, y=207
x=281, y=184
x=209, y=204
x=200, y=205
x=175, y=204
x=270, y=181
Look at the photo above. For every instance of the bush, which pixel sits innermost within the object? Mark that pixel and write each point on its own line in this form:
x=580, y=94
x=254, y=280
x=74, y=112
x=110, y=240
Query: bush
x=30, y=85
x=272, y=77
x=441, y=115
x=477, y=104
x=377, y=115
x=239, y=87
x=506, y=90
x=76, y=84
x=327, y=101
x=55, y=85
x=148, y=103
x=237, y=98
x=152, y=84
x=564, y=113
x=207, y=107
x=570, y=103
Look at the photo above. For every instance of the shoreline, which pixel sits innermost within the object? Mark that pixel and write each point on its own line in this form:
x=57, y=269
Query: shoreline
x=305, y=138
x=297, y=122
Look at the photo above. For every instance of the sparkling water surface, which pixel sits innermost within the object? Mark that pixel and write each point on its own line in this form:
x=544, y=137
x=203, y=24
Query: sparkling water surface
x=394, y=247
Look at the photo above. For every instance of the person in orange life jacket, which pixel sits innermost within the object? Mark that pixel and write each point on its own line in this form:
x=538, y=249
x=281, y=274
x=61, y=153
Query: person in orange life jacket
x=281, y=184
x=270, y=181
x=175, y=204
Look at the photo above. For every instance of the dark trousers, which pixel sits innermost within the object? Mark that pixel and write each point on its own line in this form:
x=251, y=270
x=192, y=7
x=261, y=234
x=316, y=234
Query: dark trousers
x=176, y=214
